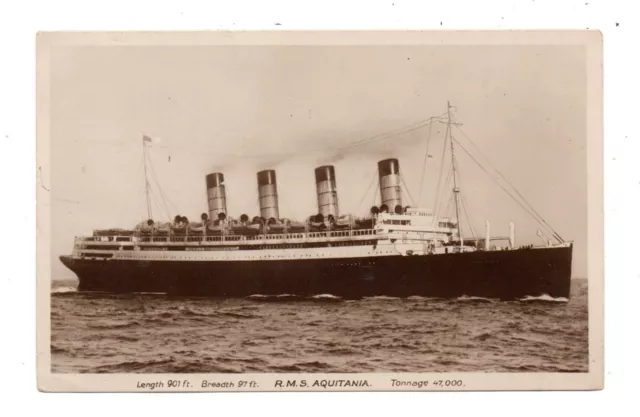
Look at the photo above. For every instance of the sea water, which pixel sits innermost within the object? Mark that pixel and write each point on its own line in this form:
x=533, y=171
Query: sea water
x=148, y=333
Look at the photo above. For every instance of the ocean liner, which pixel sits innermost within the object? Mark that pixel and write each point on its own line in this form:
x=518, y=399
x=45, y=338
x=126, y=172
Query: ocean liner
x=397, y=250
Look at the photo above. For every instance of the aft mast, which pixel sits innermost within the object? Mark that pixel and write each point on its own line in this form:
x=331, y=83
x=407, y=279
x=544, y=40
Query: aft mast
x=456, y=190
x=146, y=139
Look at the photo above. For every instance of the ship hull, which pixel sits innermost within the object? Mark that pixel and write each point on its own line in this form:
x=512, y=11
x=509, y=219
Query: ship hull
x=505, y=275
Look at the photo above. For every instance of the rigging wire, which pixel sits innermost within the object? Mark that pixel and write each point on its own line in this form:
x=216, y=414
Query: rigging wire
x=163, y=197
x=444, y=151
x=138, y=191
x=376, y=138
x=441, y=199
x=375, y=193
x=367, y=192
x=424, y=164
x=447, y=209
x=157, y=200
x=449, y=186
x=406, y=189
x=151, y=195
x=465, y=208
x=161, y=202
x=507, y=191
x=536, y=215
x=388, y=135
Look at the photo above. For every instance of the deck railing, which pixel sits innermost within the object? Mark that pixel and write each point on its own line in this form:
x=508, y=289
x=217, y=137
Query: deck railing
x=227, y=238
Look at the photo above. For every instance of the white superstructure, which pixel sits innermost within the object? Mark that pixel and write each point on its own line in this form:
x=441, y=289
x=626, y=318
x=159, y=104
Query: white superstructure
x=411, y=233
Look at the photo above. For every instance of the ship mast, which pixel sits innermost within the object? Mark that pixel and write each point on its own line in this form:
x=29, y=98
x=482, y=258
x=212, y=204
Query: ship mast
x=456, y=190
x=146, y=178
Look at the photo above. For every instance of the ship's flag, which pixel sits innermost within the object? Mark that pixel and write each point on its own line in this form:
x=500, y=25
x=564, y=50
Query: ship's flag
x=148, y=140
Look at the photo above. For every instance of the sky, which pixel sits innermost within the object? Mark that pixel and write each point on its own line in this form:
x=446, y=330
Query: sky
x=241, y=109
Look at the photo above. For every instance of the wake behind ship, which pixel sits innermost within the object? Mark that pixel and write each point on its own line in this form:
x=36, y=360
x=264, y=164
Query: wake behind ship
x=397, y=250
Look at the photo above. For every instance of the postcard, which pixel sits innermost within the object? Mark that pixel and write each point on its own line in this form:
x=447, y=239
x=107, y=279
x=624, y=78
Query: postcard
x=319, y=211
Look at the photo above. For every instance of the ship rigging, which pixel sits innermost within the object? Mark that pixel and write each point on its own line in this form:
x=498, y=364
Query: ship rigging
x=449, y=203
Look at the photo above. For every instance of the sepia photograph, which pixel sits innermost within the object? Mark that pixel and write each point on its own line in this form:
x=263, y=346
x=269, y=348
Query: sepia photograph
x=319, y=211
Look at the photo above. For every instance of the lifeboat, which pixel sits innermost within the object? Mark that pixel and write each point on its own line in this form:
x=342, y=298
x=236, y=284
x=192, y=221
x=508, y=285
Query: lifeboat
x=276, y=226
x=162, y=229
x=113, y=232
x=196, y=228
x=245, y=229
x=296, y=227
x=215, y=229
x=316, y=223
x=344, y=222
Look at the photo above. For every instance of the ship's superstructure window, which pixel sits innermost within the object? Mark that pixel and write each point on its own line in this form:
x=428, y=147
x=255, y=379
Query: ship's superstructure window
x=397, y=222
x=103, y=247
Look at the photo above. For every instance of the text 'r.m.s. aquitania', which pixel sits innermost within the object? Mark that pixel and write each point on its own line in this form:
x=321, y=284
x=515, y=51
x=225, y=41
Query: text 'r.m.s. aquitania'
x=322, y=383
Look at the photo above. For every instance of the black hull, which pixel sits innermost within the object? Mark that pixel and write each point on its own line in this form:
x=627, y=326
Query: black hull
x=495, y=274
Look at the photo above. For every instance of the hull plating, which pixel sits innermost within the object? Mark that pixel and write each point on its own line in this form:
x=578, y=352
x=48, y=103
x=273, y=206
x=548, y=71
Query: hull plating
x=496, y=274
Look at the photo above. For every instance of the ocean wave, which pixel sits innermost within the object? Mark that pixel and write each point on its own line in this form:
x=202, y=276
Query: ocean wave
x=312, y=366
x=293, y=297
x=191, y=313
x=521, y=368
x=236, y=315
x=113, y=326
x=278, y=297
x=475, y=299
x=274, y=298
x=285, y=368
x=131, y=366
x=422, y=298
x=326, y=296
x=434, y=307
x=62, y=290
x=57, y=349
x=123, y=338
x=482, y=337
x=70, y=292
x=545, y=298
x=343, y=351
x=216, y=313
x=381, y=298
x=201, y=367
x=253, y=360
